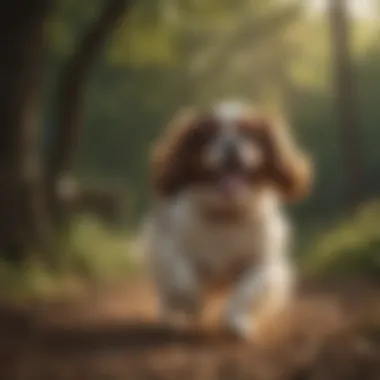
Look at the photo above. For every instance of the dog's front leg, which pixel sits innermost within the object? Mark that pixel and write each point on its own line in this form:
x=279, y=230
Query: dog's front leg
x=177, y=284
x=270, y=282
x=271, y=285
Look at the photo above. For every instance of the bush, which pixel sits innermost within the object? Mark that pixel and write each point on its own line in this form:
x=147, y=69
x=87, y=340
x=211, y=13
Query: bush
x=90, y=253
x=352, y=247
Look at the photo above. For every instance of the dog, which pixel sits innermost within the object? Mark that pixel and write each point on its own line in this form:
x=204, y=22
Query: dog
x=220, y=178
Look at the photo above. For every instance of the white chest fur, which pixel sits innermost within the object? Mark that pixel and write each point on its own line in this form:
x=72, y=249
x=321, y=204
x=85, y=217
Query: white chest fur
x=216, y=247
x=177, y=236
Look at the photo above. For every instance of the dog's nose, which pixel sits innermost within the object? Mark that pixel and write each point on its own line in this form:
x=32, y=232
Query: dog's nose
x=231, y=155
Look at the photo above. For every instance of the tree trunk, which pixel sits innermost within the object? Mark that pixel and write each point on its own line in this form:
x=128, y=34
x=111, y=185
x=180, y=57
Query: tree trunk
x=71, y=99
x=347, y=104
x=24, y=222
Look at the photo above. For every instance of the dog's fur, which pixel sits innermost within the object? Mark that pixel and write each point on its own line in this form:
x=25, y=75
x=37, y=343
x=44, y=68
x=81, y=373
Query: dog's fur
x=220, y=177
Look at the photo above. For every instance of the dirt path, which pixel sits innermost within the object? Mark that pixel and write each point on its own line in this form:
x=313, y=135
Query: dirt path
x=333, y=333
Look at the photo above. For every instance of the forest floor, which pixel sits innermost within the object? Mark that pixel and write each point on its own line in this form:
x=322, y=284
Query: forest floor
x=110, y=334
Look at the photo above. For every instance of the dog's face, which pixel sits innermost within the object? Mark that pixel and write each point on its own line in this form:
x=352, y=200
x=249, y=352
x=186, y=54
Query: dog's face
x=233, y=152
x=230, y=150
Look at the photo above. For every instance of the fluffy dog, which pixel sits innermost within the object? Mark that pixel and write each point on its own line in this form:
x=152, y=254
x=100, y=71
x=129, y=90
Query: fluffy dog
x=220, y=177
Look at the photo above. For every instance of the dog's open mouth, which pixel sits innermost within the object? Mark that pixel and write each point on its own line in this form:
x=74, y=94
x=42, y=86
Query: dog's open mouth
x=231, y=184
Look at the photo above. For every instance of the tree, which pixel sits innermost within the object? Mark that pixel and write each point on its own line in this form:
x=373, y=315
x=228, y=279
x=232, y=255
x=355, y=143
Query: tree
x=347, y=104
x=71, y=99
x=24, y=221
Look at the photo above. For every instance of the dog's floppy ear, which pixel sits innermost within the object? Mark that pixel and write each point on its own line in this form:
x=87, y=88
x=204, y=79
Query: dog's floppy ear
x=289, y=168
x=167, y=160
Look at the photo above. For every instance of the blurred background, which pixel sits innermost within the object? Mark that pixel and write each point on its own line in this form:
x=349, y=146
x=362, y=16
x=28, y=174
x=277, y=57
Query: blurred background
x=88, y=85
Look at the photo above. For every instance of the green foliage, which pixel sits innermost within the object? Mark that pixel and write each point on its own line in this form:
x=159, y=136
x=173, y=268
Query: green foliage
x=352, y=247
x=67, y=22
x=92, y=253
x=97, y=251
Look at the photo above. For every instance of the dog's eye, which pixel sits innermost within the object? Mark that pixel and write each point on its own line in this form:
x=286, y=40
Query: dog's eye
x=203, y=133
x=196, y=139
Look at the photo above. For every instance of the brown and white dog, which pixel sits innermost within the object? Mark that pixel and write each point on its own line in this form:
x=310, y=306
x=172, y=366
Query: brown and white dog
x=220, y=178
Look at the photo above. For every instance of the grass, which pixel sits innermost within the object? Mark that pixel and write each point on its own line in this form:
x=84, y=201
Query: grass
x=98, y=251
x=93, y=253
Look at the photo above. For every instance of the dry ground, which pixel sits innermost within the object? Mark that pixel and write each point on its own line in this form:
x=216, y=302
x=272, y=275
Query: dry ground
x=333, y=333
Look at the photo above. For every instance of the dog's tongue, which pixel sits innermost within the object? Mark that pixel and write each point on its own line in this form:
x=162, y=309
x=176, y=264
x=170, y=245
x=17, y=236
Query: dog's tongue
x=230, y=184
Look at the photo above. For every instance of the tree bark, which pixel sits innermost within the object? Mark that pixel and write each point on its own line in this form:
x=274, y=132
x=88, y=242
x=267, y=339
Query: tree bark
x=24, y=221
x=71, y=99
x=347, y=103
